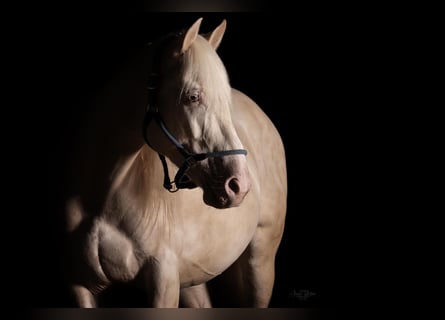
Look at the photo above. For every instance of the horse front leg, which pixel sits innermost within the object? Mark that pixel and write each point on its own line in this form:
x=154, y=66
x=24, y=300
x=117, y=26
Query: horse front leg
x=249, y=281
x=261, y=280
x=163, y=277
x=83, y=297
x=195, y=297
x=259, y=263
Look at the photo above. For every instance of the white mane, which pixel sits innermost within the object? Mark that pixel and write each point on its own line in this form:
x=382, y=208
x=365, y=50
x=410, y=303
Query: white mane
x=203, y=68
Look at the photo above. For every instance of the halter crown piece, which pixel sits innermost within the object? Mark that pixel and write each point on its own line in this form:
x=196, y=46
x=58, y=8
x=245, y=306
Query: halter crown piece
x=181, y=180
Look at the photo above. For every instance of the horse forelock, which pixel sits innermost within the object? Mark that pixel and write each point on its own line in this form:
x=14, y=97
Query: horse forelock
x=202, y=67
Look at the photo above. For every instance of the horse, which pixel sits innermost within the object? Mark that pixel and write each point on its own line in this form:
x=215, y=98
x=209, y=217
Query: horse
x=222, y=214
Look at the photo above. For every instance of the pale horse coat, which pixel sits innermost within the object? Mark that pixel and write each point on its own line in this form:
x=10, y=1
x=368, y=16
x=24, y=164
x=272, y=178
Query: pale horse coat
x=123, y=226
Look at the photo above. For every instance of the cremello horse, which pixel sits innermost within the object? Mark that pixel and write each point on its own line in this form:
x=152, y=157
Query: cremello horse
x=126, y=223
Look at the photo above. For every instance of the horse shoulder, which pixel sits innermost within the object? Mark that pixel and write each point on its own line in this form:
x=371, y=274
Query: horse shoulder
x=117, y=253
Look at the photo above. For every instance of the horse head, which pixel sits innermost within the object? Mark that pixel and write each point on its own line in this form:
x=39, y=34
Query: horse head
x=189, y=118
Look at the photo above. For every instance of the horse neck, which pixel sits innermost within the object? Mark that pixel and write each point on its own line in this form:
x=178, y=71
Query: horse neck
x=111, y=131
x=118, y=110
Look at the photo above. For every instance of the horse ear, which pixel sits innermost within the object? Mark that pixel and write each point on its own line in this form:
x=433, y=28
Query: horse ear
x=191, y=35
x=216, y=35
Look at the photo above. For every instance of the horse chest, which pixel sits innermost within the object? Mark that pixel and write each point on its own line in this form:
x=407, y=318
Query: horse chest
x=204, y=240
x=212, y=240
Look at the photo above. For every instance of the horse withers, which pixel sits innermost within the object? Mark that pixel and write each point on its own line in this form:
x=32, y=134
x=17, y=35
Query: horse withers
x=200, y=192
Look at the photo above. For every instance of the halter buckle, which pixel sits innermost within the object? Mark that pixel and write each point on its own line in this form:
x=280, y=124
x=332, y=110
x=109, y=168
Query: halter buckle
x=191, y=161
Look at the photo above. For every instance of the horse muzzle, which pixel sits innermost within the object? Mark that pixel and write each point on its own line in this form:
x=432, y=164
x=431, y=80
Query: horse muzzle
x=230, y=194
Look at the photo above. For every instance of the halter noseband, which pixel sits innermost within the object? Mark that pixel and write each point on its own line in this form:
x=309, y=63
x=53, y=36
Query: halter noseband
x=181, y=181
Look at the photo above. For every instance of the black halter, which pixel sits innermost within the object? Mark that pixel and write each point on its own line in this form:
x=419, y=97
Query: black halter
x=181, y=180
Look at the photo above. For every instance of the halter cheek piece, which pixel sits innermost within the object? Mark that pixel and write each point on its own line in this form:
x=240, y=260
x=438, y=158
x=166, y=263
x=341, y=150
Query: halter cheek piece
x=181, y=181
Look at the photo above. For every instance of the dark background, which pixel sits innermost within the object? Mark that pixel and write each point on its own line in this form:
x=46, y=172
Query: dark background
x=305, y=71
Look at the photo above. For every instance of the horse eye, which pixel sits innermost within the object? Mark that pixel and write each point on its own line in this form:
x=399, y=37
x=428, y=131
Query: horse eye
x=194, y=96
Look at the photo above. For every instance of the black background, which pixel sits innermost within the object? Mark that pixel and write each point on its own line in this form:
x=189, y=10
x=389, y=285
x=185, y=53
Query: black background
x=308, y=72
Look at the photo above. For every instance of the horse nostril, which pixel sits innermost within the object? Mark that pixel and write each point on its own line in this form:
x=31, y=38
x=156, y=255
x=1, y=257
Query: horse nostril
x=235, y=189
x=234, y=185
